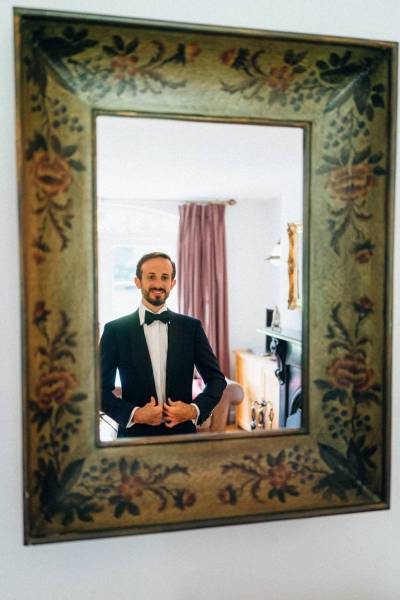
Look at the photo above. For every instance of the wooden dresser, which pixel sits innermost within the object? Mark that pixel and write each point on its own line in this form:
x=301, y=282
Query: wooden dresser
x=256, y=374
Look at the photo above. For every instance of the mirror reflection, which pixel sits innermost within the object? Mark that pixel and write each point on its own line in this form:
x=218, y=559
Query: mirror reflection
x=216, y=200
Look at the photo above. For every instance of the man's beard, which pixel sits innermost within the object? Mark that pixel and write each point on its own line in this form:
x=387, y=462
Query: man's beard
x=155, y=301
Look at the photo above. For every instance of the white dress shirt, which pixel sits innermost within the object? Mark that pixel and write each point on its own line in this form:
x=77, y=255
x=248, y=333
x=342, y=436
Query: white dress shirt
x=156, y=335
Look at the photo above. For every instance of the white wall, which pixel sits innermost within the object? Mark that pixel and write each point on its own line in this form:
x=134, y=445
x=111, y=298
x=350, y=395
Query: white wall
x=350, y=557
x=252, y=228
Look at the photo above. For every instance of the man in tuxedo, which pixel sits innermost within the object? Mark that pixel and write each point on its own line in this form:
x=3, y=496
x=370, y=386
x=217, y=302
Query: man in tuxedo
x=155, y=351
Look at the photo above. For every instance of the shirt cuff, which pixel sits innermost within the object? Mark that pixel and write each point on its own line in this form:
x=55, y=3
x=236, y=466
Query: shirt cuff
x=131, y=421
x=194, y=421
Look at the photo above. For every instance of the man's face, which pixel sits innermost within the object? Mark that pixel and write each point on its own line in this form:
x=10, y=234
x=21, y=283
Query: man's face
x=156, y=282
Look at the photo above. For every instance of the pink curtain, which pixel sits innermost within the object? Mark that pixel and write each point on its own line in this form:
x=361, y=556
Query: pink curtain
x=202, y=276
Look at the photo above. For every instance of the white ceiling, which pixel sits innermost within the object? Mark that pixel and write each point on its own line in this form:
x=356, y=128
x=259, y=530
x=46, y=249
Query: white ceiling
x=158, y=159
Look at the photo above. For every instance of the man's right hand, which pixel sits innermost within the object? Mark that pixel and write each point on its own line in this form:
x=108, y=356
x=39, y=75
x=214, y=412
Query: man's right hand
x=149, y=414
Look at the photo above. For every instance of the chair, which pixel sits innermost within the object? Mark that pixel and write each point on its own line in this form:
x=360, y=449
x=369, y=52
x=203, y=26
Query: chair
x=232, y=396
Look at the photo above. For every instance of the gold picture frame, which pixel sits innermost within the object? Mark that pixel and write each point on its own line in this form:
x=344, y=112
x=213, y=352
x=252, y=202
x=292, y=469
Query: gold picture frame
x=295, y=235
x=71, y=67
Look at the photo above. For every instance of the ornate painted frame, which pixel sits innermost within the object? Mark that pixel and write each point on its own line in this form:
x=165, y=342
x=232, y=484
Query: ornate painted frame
x=294, y=274
x=70, y=67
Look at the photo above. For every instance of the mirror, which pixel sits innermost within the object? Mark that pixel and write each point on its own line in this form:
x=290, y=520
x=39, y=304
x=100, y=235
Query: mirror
x=141, y=184
x=70, y=69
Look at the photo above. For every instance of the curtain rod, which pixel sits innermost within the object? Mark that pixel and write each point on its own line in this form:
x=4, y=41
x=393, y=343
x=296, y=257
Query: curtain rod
x=230, y=202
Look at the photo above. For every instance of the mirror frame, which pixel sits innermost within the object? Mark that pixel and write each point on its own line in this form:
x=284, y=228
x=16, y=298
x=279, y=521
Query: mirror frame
x=70, y=67
x=294, y=274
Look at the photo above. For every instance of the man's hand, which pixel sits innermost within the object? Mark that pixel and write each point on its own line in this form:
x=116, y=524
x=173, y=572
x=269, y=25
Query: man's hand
x=177, y=412
x=149, y=414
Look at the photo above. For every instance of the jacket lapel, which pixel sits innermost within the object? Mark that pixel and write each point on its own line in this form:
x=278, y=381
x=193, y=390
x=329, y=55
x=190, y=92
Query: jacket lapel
x=172, y=355
x=140, y=352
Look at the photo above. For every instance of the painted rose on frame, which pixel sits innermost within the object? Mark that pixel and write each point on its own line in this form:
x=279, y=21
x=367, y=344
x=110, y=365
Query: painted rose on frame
x=349, y=371
x=51, y=174
x=54, y=388
x=349, y=183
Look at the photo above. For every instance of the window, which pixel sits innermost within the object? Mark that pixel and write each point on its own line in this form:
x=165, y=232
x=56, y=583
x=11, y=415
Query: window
x=127, y=230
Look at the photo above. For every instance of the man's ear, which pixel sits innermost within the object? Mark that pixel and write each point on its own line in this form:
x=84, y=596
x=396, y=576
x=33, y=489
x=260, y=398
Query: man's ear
x=138, y=283
x=173, y=282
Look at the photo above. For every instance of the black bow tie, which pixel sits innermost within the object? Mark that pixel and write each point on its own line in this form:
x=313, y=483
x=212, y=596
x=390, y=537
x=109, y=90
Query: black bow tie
x=149, y=317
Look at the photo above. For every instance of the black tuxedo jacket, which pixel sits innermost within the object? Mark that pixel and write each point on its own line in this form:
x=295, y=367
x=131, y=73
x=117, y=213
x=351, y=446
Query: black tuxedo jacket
x=123, y=346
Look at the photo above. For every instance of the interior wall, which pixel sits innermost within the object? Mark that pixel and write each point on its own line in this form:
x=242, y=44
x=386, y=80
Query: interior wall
x=348, y=557
x=252, y=228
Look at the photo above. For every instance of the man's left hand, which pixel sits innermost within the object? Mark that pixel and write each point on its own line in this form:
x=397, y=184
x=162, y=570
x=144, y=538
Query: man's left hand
x=175, y=412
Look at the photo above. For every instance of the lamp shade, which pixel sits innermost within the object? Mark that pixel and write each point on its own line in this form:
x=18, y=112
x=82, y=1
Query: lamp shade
x=276, y=254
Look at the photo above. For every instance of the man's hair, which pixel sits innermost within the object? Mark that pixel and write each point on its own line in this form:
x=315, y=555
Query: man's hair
x=151, y=255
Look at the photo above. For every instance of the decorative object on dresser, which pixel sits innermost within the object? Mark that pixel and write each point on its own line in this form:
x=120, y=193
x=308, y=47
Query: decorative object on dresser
x=276, y=319
x=260, y=406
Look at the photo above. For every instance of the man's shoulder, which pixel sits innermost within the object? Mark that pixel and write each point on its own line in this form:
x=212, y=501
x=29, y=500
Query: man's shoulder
x=122, y=322
x=184, y=319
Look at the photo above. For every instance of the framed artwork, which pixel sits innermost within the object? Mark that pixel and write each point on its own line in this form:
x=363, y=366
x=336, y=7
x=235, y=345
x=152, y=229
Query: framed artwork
x=295, y=268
